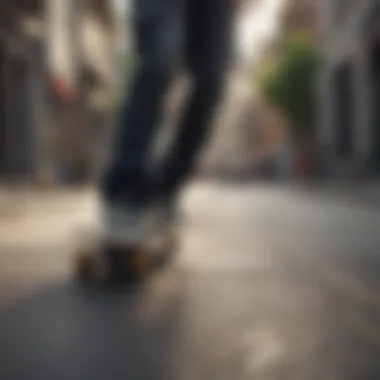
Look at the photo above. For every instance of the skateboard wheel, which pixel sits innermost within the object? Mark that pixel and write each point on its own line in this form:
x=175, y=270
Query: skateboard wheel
x=85, y=267
x=126, y=264
x=138, y=263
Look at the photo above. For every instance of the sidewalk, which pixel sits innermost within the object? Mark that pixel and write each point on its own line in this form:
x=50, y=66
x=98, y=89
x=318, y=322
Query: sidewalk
x=18, y=197
x=30, y=216
x=364, y=193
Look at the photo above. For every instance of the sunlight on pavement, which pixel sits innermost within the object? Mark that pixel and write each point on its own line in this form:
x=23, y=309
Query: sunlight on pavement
x=252, y=291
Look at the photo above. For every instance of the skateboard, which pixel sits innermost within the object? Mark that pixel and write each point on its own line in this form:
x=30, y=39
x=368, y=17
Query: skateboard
x=99, y=260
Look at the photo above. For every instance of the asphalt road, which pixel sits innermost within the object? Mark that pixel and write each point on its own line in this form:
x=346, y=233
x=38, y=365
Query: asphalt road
x=269, y=284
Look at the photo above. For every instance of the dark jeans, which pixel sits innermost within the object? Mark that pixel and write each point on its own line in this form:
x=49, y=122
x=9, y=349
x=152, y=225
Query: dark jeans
x=199, y=32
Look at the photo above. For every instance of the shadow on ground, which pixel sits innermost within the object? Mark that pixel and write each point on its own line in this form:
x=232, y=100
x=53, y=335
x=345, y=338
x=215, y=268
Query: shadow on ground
x=62, y=332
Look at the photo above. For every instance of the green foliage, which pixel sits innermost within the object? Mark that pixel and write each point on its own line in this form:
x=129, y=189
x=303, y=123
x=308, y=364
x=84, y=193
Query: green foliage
x=291, y=84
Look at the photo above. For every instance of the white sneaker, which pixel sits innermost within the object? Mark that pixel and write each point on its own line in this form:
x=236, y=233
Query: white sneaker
x=127, y=224
x=149, y=226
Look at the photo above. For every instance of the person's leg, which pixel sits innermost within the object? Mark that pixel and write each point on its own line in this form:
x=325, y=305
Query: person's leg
x=209, y=36
x=157, y=31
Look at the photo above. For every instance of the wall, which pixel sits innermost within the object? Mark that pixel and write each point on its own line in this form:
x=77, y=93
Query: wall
x=344, y=42
x=20, y=100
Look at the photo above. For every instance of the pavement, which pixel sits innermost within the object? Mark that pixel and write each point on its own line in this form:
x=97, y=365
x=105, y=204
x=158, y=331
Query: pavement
x=367, y=193
x=270, y=283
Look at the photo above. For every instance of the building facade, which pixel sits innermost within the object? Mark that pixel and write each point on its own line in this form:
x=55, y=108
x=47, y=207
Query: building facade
x=21, y=93
x=301, y=15
x=349, y=129
x=80, y=66
x=56, y=85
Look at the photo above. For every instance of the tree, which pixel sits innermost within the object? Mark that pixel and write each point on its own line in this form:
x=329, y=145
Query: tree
x=290, y=85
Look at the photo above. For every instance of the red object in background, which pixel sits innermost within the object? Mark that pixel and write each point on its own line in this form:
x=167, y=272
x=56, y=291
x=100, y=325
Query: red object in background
x=62, y=89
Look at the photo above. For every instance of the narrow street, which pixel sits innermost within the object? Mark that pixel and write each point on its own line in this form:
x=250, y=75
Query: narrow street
x=270, y=283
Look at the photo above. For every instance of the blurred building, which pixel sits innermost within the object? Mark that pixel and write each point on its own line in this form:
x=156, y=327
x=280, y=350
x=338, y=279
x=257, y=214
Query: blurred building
x=230, y=150
x=296, y=16
x=57, y=86
x=81, y=68
x=21, y=89
x=350, y=85
x=270, y=129
x=301, y=15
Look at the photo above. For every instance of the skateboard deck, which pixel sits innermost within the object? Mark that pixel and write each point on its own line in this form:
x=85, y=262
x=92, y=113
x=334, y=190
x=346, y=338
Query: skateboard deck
x=99, y=259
